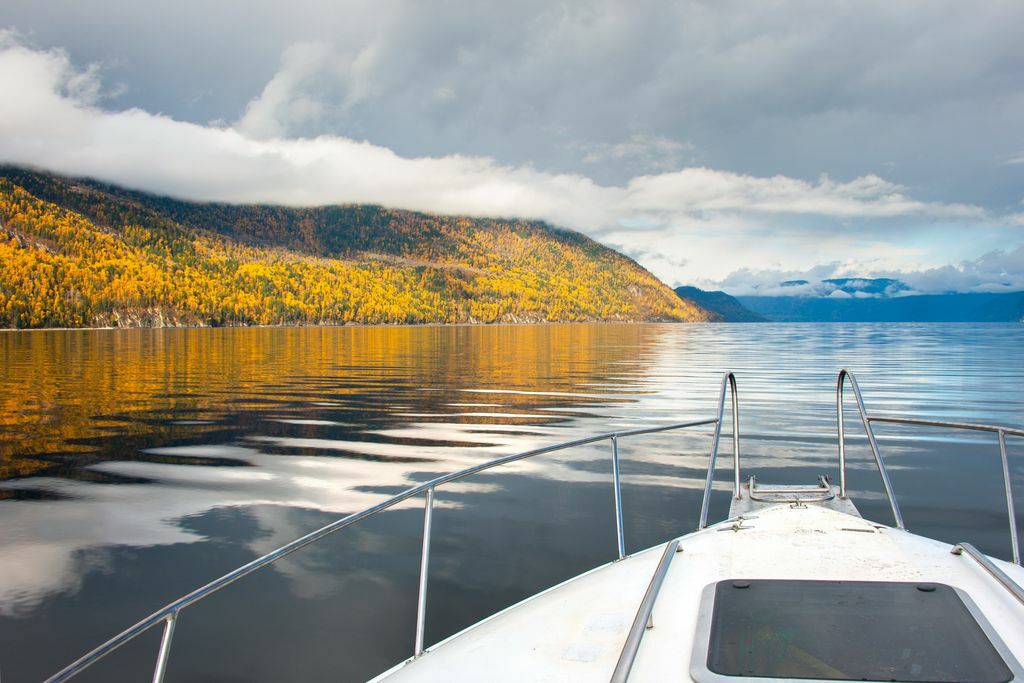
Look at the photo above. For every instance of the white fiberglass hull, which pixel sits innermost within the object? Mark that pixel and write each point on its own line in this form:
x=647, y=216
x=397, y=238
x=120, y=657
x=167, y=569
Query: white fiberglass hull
x=577, y=630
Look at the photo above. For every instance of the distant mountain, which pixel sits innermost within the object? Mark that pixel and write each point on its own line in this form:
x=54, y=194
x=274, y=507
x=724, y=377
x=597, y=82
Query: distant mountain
x=726, y=307
x=879, y=286
x=854, y=286
x=882, y=300
x=80, y=253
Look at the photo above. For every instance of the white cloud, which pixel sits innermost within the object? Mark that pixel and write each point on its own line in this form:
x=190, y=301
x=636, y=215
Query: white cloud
x=702, y=189
x=313, y=89
x=714, y=221
x=996, y=271
x=785, y=87
x=650, y=152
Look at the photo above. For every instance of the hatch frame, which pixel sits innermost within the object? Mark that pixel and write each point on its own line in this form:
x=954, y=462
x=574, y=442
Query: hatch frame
x=702, y=640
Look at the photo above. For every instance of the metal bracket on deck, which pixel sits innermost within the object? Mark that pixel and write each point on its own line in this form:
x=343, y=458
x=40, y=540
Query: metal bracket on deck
x=753, y=497
x=791, y=494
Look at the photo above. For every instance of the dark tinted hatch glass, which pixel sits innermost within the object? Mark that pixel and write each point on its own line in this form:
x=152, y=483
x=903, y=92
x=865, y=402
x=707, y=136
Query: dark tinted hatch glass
x=849, y=631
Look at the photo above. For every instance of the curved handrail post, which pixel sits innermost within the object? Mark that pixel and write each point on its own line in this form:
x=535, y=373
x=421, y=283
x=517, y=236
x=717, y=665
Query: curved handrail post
x=728, y=382
x=841, y=436
x=735, y=433
x=845, y=374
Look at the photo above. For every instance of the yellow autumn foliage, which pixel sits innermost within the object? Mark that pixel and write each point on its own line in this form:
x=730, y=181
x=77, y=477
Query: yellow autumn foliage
x=78, y=254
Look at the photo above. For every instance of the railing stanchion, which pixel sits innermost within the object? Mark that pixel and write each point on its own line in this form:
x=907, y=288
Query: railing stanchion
x=421, y=600
x=1014, y=543
x=710, y=480
x=728, y=382
x=619, y=533
x=866, y=419
x=165, y=648
x=735, y=435
x=841, y=438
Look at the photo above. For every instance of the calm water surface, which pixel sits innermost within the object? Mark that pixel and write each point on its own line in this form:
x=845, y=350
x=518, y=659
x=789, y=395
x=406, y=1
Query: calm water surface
x=137, y=465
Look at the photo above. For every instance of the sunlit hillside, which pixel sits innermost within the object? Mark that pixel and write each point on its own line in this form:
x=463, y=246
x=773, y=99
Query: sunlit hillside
x=77, y=253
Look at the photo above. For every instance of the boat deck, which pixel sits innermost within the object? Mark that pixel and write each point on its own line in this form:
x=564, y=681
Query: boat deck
x=577, y=631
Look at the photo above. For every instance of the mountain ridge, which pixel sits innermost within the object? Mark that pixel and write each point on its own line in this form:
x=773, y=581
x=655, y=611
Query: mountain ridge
x=83, y=253
x=727, y=307
x=860, y=299
x=954, y=307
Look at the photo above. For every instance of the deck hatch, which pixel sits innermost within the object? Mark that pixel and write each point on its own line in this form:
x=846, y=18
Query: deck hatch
x=846, y=631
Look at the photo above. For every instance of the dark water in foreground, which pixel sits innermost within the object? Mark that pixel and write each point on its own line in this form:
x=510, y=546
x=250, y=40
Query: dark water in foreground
x=152, y=461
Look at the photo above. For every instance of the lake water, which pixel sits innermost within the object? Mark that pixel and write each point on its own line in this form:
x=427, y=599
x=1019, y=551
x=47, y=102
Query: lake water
x=140, y=464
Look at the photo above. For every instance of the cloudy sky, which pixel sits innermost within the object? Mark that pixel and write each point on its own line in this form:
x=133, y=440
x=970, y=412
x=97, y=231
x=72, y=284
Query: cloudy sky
x=717, y=142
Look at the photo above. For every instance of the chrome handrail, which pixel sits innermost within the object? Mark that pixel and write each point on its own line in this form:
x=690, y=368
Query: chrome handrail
x=728, y=381
x=867, y=419
x=642, y=621
x=989, y=566
x=168, y=614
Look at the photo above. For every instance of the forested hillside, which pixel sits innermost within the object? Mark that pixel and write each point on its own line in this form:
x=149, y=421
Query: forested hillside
x=726, y=307
x=76, y=253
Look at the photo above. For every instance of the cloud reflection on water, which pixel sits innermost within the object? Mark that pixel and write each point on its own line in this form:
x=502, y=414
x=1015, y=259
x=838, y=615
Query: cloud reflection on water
x=273, y=424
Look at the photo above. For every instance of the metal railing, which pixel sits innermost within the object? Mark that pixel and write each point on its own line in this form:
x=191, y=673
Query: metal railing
x=728, y=382
x=1011, y=586
x=168, y=615
x=642, y=621
x=867, y=419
